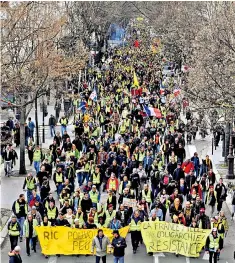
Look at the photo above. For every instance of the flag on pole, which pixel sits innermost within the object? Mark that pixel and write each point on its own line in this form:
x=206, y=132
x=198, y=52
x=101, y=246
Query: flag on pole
x=135, y=82
x=83, y=106
x=93, y=95
x=150, y=111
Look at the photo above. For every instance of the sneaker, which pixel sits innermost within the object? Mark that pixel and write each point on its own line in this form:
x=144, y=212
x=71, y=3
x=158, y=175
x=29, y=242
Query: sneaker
x=134, y=251
x=46, y=256
x=28, y=255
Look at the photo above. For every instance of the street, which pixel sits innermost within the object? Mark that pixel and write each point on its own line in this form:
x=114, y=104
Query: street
x=201, y=146
x=125, y=112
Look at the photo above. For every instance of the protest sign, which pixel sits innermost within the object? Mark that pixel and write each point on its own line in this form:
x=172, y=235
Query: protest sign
x=162, y=236
x=129, y=202
x=70, y=241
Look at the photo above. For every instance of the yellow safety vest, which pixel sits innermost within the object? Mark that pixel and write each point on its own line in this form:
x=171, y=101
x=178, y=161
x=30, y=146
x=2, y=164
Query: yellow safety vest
x=122, y=128
x=109, y=217
x=37, y=156
x=13, y=230
x=59, y=178
x=112, y=185
x=121, y=187
x=134, y=226
x=96, y=178
x=99, y=209
x=30, y=184
x=214, y=242
x=141, y=156
x=63, y=122
x=94, y=197
x=51, y=213
x=26, y=228
x=17, y=207
x=147, y=197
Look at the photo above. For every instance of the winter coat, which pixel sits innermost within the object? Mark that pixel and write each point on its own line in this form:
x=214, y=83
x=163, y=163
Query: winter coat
x=100, y=252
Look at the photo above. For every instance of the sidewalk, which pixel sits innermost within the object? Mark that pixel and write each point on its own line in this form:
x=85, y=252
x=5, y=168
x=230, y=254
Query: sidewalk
x=220, y=170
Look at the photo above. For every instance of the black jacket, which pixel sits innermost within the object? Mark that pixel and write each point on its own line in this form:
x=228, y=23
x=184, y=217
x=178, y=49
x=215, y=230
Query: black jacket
x=119, y=245
x=208, y=243
x=13, y=258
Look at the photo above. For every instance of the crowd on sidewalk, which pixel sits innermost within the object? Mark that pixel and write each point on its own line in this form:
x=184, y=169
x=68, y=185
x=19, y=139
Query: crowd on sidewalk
x=129, y=142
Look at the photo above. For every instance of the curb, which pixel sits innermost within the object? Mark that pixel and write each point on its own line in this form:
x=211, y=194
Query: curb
x=4, y=233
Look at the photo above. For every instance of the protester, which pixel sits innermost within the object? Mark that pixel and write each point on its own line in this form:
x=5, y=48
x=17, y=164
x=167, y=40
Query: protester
x=100, y=243
x=14, y=256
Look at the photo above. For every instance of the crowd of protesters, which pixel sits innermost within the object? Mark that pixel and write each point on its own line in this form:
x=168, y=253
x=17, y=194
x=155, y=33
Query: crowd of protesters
x=138, y=160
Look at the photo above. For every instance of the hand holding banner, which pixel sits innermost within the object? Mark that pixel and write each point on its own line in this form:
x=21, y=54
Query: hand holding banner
x=162, y=236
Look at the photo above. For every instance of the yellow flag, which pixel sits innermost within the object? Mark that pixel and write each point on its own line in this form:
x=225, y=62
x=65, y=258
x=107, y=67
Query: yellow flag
x=135, y=82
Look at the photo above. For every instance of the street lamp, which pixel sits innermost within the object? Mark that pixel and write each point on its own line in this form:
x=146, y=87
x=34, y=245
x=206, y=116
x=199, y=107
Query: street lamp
x=230, y=158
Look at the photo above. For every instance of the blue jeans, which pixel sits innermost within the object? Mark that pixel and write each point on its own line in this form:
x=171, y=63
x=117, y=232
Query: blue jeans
x=21, y=222
x=29, y=193
x=63, y=129
x=59, y=188
x=31, y=132
x=36, y=166
x=26, y=140
x=80, y=178
x=52, y=130
x=118, y=259
x=85, y=176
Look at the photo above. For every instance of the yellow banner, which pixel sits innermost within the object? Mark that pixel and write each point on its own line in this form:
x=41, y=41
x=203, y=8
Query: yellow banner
x=174, y=238
x=70, y=241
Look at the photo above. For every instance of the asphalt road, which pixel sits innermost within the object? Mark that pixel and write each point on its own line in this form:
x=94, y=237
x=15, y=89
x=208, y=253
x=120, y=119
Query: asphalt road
x=12, y=187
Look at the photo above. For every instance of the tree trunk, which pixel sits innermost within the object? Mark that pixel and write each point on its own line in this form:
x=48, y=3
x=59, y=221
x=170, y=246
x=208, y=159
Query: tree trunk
x=22, y=142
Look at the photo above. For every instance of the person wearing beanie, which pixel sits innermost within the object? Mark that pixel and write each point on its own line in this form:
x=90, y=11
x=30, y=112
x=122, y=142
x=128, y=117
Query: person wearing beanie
x=119, y=245
x=14, y=255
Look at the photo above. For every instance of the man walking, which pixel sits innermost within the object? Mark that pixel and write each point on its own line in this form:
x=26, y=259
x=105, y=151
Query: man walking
x=37, y=156
x=30, y=183
x=64, y=123
x=119, y=245
x=20, y=209
x=214, y=244
x=31, y=126
x=52, y=124
x=30, y=233
x=14, y=231
x=100, y=242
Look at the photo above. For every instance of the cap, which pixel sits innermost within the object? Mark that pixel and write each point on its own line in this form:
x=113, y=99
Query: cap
x=214, y=229
x=17, y=248
x=13, y=216
x=93, y=186
x=115, y=232
x=110, y=205
x=202, y=210
x=33, y=207
x=76, y=220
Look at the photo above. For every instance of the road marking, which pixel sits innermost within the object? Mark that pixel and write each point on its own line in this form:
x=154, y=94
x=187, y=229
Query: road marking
x=52, y=259
x=187, y=260
x=156, y=257
x=206, y=256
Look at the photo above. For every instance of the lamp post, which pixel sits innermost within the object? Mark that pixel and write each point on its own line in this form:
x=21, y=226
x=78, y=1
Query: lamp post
x=230, y=158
